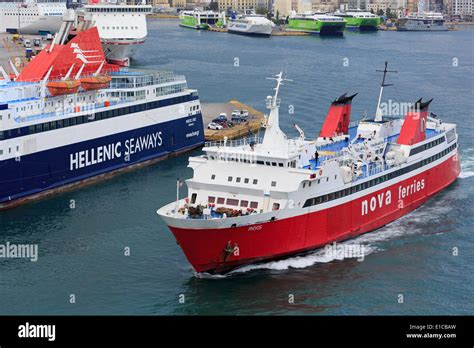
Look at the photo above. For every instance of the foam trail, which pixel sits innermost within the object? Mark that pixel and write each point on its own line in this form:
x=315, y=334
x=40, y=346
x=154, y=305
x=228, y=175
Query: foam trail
x=465, y=174
x=467, y=164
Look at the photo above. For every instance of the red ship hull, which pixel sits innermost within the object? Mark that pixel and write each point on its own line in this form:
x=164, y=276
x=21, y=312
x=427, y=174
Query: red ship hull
x=281, y=238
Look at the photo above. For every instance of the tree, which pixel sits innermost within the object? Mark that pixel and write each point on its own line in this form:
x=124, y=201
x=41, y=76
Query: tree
x=380, y=12
x=261, y=11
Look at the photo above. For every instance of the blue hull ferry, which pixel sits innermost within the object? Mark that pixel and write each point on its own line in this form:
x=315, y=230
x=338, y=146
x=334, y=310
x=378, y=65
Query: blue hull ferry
x=57, y=131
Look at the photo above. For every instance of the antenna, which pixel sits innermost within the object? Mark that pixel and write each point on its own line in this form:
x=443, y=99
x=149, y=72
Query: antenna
x=279, y=79
x=378, y=112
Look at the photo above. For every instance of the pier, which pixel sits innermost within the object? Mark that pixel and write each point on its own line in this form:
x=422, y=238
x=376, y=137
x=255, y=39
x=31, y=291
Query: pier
x=212, y=110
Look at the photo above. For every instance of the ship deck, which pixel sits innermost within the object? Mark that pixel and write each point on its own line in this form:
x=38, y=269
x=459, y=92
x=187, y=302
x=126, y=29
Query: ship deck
x=337, y=146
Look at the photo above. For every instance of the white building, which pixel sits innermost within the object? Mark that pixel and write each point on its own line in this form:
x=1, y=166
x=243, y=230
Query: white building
x=461, y=9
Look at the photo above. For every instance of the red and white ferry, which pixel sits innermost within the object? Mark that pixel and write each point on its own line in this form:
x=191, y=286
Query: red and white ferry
x=256, y=200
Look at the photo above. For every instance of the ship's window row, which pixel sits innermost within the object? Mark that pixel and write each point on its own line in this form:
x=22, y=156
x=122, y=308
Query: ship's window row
x=291, y=164
x=238, y=179
x=113, y=28
x=22, y=14
x=111, y=9
x=232, y=202
x=73, y=121
x=365, y=185
x=426, y=146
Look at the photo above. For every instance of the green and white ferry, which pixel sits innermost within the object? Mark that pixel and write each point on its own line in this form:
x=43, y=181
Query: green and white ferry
x=197, y=19
x=316, y=23
x=359, y=20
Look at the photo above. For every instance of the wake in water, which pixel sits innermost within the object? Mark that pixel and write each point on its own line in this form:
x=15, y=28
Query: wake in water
x=467, y=164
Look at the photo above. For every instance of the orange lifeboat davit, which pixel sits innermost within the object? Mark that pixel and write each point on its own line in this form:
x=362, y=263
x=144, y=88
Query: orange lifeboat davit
x=95, y=82
x=63, y=87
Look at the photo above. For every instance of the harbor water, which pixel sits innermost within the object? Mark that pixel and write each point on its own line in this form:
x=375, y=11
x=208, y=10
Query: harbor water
x=105, y=244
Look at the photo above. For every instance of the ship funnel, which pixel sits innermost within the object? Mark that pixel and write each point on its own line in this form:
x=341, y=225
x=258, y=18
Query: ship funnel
x=338, y=117
x=414, y=127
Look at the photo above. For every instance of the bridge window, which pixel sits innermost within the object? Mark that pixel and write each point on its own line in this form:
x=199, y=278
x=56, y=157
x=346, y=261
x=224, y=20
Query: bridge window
x=274, y=183
x=193, y=198
x=220, y=200
x=229, y=178
x=255, y=181
x=244, y=204
x=254, y=205
x=276, y=206
x=213, y=176
x=211, y=199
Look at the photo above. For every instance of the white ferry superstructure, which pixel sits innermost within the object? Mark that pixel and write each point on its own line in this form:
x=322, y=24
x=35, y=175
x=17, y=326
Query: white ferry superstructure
x=31, y=16
x=122, y=27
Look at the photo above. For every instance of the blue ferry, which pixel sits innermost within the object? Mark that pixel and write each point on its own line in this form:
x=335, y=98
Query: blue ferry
x=69, y=118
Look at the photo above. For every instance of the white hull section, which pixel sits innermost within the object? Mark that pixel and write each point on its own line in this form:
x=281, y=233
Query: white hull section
x=250, y=29
x=120, y=51
x=422, y=27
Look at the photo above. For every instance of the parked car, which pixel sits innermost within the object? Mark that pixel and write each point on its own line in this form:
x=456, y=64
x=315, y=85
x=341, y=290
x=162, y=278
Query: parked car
x=239, y=118
x=214, y=126
x=37, y=42
x=27, y=43
x=222, y=123
x=221, y=118
x=244, y=113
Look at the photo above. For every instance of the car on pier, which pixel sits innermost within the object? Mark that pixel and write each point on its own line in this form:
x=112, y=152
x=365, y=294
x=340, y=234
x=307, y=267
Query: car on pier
x=214, y=126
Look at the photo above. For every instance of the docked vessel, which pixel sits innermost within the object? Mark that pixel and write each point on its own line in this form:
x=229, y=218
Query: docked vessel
x=252, y=24
x=31, y=16
x=316, y=23
x=122, y=27
x=263, y=199
x=359, y=20
x=197, y=19
x=425, y=21
x=69, y=118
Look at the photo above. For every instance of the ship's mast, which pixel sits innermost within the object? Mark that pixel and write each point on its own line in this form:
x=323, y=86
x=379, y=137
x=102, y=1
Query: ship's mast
x=378, y=112
x=274, y=137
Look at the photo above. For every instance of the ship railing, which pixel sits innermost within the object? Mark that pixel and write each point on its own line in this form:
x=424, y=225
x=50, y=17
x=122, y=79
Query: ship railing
x=66, y=111
x=135, y=81
x=234, y=143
